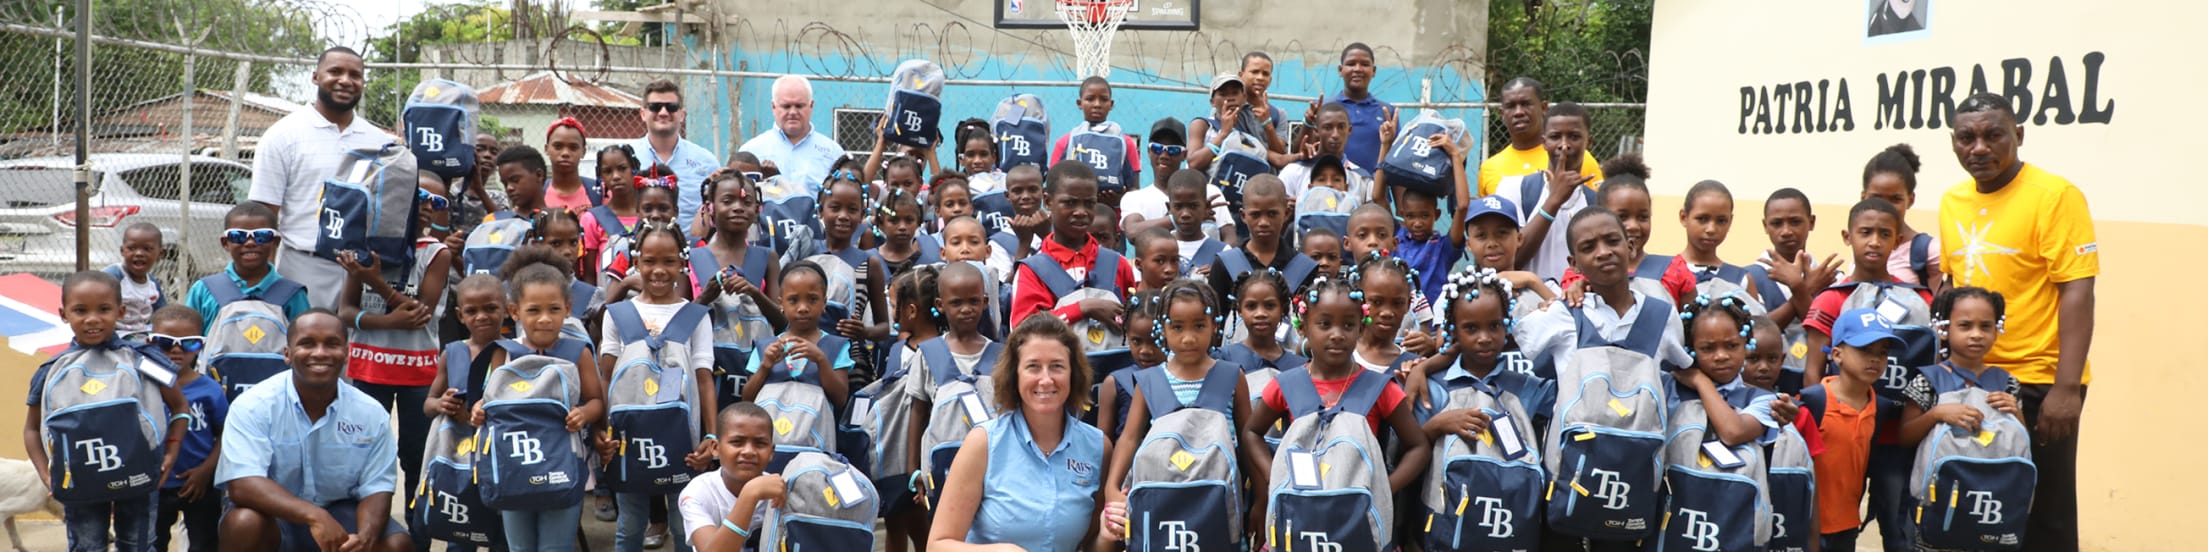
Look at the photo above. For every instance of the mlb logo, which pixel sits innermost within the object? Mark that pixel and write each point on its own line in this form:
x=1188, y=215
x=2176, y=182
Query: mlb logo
x=1016, y=4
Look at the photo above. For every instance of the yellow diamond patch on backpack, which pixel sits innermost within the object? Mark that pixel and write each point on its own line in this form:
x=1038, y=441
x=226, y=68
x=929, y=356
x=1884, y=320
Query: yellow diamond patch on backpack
x=1096, y=335
x=254, y=334
x=1181, y=459
x=520, y=387
x=829, y=493
x=1801, y=350
x=651, y=387
x=93, y=387
x=467, y=445
x=783, y=426
x=498, y=236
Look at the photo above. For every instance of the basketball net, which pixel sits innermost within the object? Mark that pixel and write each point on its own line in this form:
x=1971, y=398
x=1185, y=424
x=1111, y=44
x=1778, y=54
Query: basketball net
x=1093, y=22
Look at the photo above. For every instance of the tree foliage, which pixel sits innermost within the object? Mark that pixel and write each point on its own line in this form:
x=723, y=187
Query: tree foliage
x=122, y=76
x=1584, y=50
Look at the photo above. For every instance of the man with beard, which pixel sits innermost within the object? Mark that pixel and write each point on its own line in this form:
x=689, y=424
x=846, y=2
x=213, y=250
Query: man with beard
x=301, y=151
x=309, y=461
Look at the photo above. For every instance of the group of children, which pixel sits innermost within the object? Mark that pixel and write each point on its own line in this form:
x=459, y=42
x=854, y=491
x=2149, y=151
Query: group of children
x=1230, y=328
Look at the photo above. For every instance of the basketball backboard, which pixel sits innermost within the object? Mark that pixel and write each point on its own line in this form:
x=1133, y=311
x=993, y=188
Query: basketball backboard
x=1148, y=15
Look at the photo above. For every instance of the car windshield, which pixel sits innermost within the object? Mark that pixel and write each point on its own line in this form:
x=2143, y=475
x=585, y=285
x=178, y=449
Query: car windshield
x=37, y=186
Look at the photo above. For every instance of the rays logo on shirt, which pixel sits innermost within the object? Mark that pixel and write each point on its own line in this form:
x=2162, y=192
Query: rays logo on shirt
x=1080, y=468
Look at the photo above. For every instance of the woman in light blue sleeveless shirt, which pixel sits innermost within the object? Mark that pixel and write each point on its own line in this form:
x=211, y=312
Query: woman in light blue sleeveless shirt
x=1040, y=470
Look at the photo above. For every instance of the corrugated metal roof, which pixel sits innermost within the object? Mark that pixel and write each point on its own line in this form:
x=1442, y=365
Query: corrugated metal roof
x=544, y=88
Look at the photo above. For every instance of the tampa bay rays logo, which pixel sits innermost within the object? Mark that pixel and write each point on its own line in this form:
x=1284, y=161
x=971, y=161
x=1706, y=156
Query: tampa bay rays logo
x=1491, y=202
x=1017, y=145
x=1699, y=529
x=1612, y=490
x=451, y=508
x=912, y=122
x=1985, y=506
x=1317, y=542
x=526, y=447
x=1178, y=538
x=1495, y=518
x=1094, y=157
x=336, y=226
x=787, y=228
x=98, y=453
x=650, y=453
x=429, y=139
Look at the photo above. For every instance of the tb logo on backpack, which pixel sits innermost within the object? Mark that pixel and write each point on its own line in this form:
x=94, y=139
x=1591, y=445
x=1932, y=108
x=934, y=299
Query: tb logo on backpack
x=99, y=411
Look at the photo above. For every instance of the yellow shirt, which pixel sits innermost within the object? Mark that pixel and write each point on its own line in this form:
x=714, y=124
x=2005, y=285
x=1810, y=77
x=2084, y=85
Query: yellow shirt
x=2021, y=241
x=1513, y=162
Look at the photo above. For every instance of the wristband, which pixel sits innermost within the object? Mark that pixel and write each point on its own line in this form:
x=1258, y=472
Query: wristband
x=356, y=320
x=712, y=437
x=738, y=530
x=1544, y=212
x=181, y=416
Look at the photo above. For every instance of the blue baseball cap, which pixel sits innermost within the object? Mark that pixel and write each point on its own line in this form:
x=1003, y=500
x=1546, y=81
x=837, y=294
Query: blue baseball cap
x=1494, y=205
x=1862, y=327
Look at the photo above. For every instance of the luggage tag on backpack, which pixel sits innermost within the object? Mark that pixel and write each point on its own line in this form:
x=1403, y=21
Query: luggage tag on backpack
x=1506, y=435
x=156, y=373
x=862, y=408
x=845, y=486
x=975, y=413
x=1891, y=309
x=1720, y=455
x=1303, y=470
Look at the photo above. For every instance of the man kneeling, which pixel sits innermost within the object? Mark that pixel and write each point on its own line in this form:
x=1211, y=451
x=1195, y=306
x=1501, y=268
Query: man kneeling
x=310, y=462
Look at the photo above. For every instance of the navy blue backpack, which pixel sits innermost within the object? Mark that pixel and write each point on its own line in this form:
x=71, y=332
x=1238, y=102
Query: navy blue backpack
x=915, y=107
x=440, y=118
x=652, y=402
x=448, y=505
x=1022, y=131
x=531, y=461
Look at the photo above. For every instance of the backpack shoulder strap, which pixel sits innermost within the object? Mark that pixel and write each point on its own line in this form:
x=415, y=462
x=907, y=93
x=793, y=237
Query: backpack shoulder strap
x=1052, y=274
x=1006, y=240
x=1814, y=397
x=1731, y=273
x=989, y=358
x=755, y=265
x=1105, y=274
x=1300, y=392
x=281, y=291
x=609, y=221
x=1208, y=252
x=936, y=353
x=1652, y=266
x=514, y=349
x=1363, y=393
x=1299, y=269
x=456, y=365
x=1217, y=394
x=896, y=358
x=1529, y=193
x=115, y=270
x=1235, y=261
x=931, y=252
x=1773, y=296
x=1157, y=391
x=1648, y=327
x=222, y=288
x=590, y=190
x=1920, y=253
x=628, y=324
x=703, y=264
x=684, y=323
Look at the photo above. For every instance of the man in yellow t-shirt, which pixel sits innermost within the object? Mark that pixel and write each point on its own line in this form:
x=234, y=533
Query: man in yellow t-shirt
x=2027, y=234
x=1526, y=112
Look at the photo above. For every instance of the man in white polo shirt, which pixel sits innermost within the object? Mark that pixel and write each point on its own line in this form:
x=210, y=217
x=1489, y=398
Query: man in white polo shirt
x=301, y=151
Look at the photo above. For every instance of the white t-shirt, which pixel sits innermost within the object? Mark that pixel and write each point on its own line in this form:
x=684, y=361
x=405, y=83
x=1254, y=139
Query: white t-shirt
x=924, y=381
x=706, y=501
x=655, y=317
x=138, y=300
x=1550, y=260
x=1188, y=252
x=1151, y=203
x=1297, y=178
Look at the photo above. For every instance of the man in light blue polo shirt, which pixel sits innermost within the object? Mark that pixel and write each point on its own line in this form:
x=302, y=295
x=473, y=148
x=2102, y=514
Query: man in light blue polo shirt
x=309, y=461
x=663, y=143
x=1366, y=112
x=801, y=154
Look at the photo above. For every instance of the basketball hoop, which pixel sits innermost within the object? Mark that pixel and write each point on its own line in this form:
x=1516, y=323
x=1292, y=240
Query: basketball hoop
x=1093, y=22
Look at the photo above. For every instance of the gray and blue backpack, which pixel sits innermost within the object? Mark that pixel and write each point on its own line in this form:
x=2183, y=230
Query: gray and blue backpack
x=368, y=207
x=448, y=505
x=829, y=505
x=440, y=117
x=1973, y=490
x=883, y=409
x=246, y=343
x=1792, y=485
x=1022, y=130
x=739, y=327
x=490, y=243
x=804, y=419
x=1104, y=147
x=103, y=420
x=1415, y=164
x=1184, y=487
x=1484, y=493
x=915, y=108
x=530, y=460
x=652, y=403
x=1603, y=445
x=1712, y=502
x=962, y=401
x=789, y=216
x=1241, y=156
x=1329, y=484
x=1105, y=346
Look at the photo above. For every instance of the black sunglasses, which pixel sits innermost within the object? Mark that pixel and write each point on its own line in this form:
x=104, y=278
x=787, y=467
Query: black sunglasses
x=663, y=107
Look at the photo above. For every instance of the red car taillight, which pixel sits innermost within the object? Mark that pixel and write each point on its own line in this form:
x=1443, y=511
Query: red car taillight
x=102, y=217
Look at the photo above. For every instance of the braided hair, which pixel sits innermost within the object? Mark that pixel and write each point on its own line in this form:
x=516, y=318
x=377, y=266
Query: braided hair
x=1323, y=286
x=1150, y=304
x=1943, y=309
x=548, y=217
x=646, y=229
x=1190, y=289
x=1375, y=262
x=1731, y=305
x=1469, y=285
x=1267, y=275
x=918, y=286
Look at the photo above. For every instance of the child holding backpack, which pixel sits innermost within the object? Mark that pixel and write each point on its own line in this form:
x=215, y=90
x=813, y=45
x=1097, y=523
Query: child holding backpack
x=1846, y=411
x=1071, y=276
x=1388, y=286
x=884, y=408
x=802, y=375
x=1177, y=459
x=950, y=395
x=658, y=366
x=902, y=246
x=85, y=405
x=1707, y=218
x=615, y=217
x=248, y=307
x=1146, y=343
x=1716, y=481
x=733, y=278
x=448, y=475
x=189, y=493
x=1483, y=421
x=1964, y=409
x=538, y=403
x=1315, y=400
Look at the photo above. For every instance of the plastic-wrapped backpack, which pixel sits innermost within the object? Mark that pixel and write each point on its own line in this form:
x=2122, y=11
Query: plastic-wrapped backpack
x=1022, y=130
x=1413, y=163
x=915, y=104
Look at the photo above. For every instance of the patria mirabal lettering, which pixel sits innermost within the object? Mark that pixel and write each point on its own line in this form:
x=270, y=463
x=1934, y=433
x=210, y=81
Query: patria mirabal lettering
x=1924, y=98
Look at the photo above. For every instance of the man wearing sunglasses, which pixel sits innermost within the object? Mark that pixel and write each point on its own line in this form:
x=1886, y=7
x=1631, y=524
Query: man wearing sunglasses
x=301, y=151
x=1146, y=208
x=792, y=146
x=663, y=143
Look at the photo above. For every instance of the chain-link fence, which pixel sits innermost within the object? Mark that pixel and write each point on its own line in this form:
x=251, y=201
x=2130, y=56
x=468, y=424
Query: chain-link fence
x=181, y=91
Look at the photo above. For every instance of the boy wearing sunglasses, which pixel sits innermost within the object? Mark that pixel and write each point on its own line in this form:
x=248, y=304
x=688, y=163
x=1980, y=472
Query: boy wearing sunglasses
x=251, y=241
x=1146, y=208
x=189, y=493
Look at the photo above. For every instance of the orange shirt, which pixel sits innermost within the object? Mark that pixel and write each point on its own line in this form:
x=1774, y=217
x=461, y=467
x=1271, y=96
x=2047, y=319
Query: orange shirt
x=1840, y=481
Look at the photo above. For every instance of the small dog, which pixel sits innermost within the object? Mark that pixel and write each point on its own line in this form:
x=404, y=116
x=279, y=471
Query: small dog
x=21, y=493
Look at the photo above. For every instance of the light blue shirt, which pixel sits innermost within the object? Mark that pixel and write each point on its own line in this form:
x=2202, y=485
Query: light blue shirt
x=202, y=300
x=806, y=161
x=347, y=455
x=1035, y=500
x=692, y=163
